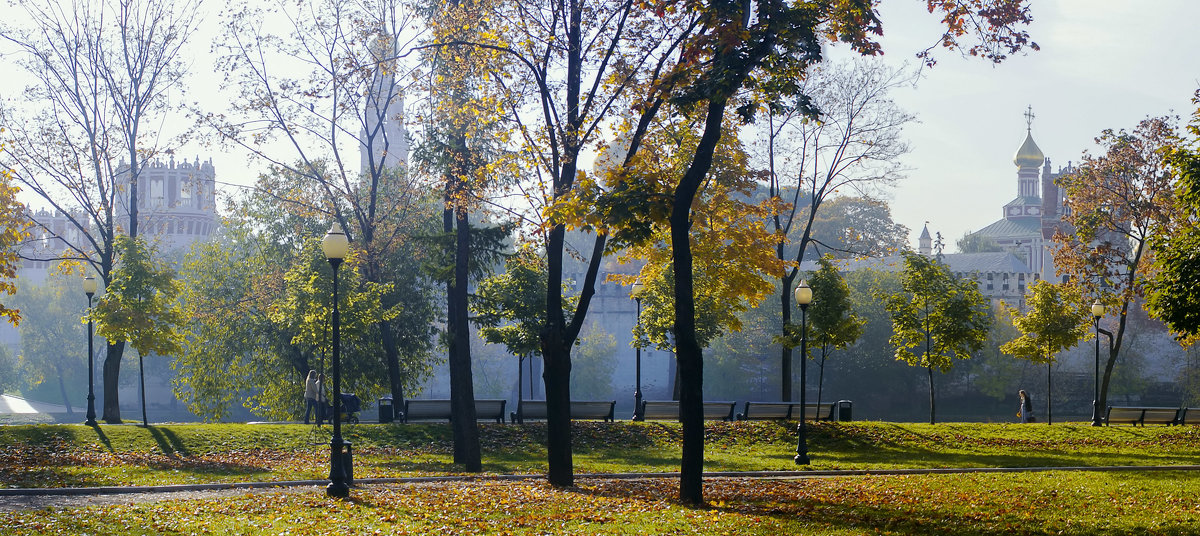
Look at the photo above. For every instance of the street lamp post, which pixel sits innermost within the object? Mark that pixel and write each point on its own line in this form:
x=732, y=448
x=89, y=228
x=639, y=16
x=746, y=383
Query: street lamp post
x=1097, y=312
x=335, y=245
x=89, y=288
x=636, y=291
x=803, y=298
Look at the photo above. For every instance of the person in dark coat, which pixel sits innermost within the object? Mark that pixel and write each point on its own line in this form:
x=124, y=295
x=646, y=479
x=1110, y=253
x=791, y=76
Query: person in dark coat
x=1025, y=408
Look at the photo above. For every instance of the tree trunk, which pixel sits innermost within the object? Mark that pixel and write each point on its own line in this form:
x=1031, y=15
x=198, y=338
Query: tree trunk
x=673, y=371
x=112, y=372
x=821, y=376
x=462, y=389
x=62, y=389
x=556, y=371
x=1049, y=394
x=1113, y=352
x=392, y=358
x=687, y=349
x=932, y=403
x=785, y=303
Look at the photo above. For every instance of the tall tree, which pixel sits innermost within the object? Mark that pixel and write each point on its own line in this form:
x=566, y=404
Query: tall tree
x=1174, y=289
x=770, y=45
x=855, y=145
x=580, y=64
x=936, y=318
x=82, y=133
x=834, y=325
x=1118, y=200
x=328, y=87
x=462, y=148
x=140, y=305
x=574, y=64
x=1057, y=319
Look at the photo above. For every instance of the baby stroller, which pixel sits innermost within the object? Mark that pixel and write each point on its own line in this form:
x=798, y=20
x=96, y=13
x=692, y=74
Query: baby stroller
x=351, y=405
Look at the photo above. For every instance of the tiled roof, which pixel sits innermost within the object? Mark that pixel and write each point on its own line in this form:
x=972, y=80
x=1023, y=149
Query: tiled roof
x=1001, y=262
x=1012, y=228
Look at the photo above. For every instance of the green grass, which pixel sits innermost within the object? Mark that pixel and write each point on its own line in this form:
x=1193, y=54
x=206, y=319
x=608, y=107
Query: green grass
x=983, y=504
x=76, y=455
x=964, y=505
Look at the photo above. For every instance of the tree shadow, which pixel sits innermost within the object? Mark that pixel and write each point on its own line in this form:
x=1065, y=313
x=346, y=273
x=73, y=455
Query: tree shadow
x=783, y=506
x=168, y=442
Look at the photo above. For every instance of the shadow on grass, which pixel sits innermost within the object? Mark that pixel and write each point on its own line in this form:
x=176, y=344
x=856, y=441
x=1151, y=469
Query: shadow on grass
x=168, y=442
x=917, y=457
x=102, y=437
x=795, y=507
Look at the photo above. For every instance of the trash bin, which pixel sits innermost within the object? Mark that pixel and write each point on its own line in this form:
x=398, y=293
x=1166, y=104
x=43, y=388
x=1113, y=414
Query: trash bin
x=387, y=412
x=844, y=410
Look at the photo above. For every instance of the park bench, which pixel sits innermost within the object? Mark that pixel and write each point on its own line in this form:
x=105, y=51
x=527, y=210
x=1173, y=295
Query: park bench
x=1189, y=416
x=756, y=411
x=668, y=410
x=439, y=410
x=1141, y=415
x=580, y=410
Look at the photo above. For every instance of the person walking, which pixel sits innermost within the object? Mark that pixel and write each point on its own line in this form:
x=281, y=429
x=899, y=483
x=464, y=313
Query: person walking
x=312, y=392
x=1025, y=407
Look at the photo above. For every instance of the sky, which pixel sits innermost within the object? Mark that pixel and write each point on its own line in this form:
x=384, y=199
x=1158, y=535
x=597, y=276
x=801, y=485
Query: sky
x=1102, y=64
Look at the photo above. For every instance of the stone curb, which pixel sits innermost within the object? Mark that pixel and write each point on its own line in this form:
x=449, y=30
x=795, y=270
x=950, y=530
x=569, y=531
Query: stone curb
x=113, y=490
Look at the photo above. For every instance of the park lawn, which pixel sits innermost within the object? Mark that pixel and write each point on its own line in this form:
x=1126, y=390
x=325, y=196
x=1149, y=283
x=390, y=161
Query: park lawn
x=1071, y=503
x=80, y=456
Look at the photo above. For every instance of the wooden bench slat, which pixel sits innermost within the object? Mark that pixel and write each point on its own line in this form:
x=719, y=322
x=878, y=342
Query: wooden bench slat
x=439, y=410
x=786, y=411
x=580, y=410
x=667, y=410
x=1135, y=415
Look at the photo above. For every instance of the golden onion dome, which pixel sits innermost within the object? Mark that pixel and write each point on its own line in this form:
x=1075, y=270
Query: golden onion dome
x=1029, y=155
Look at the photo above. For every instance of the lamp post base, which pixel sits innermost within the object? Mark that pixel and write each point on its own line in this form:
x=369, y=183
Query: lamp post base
x=801, y=446
x=91, y=411
x=337, y=488
x=1096, y=421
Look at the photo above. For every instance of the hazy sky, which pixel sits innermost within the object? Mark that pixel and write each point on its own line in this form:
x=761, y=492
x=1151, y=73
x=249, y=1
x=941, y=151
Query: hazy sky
x=1102, y=64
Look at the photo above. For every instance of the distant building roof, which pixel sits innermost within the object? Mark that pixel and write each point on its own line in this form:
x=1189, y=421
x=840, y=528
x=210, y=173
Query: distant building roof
x=1012, y=228
x=985, y=262
x=997, y=262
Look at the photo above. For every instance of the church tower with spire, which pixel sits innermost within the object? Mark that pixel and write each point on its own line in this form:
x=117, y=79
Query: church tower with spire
x=1030, y=220
x=925, y=242
x=384, y=138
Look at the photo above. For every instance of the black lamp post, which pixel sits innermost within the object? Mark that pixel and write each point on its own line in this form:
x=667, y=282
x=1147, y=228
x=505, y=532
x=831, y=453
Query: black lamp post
x=803, y=298
x=636, y=293
x=1097, y=312
x=335, y=245
x=89, y=288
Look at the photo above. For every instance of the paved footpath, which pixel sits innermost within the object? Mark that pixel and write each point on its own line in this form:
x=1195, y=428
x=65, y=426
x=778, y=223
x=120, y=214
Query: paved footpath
x=12, y=499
